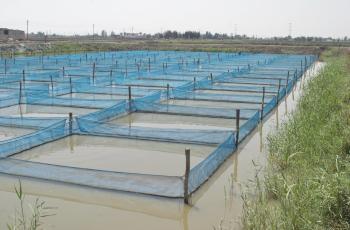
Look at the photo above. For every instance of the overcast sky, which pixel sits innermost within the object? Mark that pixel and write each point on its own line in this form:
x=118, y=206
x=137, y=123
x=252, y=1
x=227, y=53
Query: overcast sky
x=252, y=17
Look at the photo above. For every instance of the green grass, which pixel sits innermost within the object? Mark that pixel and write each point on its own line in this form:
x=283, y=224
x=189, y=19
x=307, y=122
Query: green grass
x=81, y=46
x=28, y=217
x=307, y=181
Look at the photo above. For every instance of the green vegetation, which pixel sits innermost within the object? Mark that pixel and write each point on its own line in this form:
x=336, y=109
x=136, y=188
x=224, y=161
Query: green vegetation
x=307, y=181
x=208, y=45
x=38, y=211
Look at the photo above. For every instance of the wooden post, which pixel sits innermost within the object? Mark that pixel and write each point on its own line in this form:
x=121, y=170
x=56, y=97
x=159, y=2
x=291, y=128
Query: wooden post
x=187, y=174
x=51, y=84
x=278, y=91
x=63, y=71
x=262, y=104
x=70, y=123
x=20, y=93
x=110, y=77
x=70, y=85
x=126, y=68
x=194, y=83
x=248, y=67
x=5, y=67
x=149, y=64
x=287, y=81
x=93, y=72
x=167, y=91
x=23, y=76
x=129, y=93
x=238, y=115
x=301, y=66
x=211, y=78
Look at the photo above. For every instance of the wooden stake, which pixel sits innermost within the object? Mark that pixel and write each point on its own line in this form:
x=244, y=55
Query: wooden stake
x=262, y=104
x=187, y=174
x=238, y=115
x=129, y=93
x=287, y=81
x=70, y=84
x=93, y=72
x=23, y=76
x=167, y=91
x=20, y=93
x=279, y=88
x=110, y=77
x=51, y=84
x=70, y=122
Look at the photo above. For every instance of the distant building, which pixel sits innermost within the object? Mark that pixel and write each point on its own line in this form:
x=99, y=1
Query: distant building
x=6, y=34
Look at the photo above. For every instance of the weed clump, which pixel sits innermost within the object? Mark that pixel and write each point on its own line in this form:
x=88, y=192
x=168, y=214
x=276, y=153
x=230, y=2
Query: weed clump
x=307, y=184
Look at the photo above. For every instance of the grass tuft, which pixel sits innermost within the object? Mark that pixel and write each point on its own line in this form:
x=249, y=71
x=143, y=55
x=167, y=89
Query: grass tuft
x=307, y=183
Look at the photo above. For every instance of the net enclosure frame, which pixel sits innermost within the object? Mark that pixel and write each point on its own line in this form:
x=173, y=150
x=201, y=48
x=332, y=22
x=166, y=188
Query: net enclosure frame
x=124, y=82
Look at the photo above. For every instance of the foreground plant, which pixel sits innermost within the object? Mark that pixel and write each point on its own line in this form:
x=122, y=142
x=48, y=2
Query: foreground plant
x=307, y=184
x=38, y=210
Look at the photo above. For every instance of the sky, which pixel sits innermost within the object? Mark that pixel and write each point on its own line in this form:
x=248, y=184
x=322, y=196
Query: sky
x=262, y=18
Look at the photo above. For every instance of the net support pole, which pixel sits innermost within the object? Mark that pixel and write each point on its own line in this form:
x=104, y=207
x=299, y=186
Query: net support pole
x=93, y=72
x=194, y=83
x=149, y=64
x=70, y=122
x=187, y=174
x=262, y=104
x=287, y=80
x=70, y=85
x=51, y=81
x=129, y=96
x=5, y=66
x=248, y=67
x=63, y=71
x=23, y=76
x=20, y=93
x=238, y=115
x=126, y=68
x=305, y=64
x=278, y=90
x=211, y=78
x=301, y=67
x=167, y=91
x=110, y=77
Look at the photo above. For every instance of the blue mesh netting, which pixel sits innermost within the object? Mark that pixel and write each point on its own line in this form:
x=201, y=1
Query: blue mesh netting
x=19, y=144
x=201, y=172
x=103, y=80
x=172, y=135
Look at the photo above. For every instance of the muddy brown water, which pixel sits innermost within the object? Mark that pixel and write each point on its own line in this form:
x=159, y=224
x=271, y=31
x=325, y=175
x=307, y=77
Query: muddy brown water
x=11, y=132
x=117, y=154
x=25, y=110
x=154, y=120
x=217, y=203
